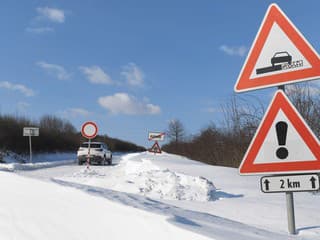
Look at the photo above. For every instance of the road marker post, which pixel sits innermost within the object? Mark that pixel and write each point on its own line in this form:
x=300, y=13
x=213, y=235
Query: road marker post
x=29, y=132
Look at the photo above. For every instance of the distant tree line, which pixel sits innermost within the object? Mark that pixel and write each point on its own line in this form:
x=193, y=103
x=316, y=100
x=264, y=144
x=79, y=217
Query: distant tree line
x=226, y=145
x=56, y=135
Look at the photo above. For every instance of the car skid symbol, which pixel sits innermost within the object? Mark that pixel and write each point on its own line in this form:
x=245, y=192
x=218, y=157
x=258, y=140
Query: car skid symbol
x=277, y=60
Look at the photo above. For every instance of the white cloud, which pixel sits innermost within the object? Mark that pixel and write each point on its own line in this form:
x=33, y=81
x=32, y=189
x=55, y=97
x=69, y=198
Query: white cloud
x=17, y=87
x=234, y=51
x=76, y=112
x=39, y=30
x=54, y=69
x=96, y=75
x=133, y=75
x=51, y=14
x=122, y=103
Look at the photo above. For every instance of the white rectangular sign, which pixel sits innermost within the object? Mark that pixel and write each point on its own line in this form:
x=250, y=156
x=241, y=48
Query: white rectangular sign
x=290, y=183
x=156, y=136
x=30, y=131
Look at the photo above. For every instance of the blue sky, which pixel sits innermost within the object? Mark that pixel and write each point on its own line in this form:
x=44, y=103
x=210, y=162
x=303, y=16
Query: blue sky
x=131, y=66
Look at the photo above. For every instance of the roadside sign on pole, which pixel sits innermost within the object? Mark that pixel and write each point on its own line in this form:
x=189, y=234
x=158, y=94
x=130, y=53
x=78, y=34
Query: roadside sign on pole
x=156, y=136
x=290, y=183
x=279, y=55
x=283, y=143
x=155, y=148
x=30, y=131
x=89, y=130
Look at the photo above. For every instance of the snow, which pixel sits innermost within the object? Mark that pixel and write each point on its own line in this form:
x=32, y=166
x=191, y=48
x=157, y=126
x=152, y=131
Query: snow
x=33, y=209
x=14, y=162
x=148, y=196
x=11, y=157
x=141, y=176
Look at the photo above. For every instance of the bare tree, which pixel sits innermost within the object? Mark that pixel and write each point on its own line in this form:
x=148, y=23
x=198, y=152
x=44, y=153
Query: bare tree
x=305, y=97
x=176, y=131
x=242, y=115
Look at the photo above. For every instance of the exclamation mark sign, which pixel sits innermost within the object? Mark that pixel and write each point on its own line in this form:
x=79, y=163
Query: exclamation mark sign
x=281, y=129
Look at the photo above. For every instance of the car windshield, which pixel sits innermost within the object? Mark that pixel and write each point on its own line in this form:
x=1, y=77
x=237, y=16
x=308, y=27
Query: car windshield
x=92, y=145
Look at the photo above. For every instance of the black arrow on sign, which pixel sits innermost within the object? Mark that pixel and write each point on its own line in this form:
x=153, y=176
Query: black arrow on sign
x=266, y=182
x=313, y=182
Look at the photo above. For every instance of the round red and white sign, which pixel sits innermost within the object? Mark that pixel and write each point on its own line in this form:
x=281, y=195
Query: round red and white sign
x=89, y=130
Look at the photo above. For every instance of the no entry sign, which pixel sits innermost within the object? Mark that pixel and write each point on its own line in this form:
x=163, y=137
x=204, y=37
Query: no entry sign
x=89, y=130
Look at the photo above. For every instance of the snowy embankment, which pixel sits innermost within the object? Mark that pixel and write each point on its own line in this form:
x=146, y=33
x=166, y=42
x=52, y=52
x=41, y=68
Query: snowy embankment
x=13, y=162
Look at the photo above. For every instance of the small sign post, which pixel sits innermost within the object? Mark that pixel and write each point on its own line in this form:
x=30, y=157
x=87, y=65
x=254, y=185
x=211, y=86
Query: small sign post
x=29, y=132
x=89, y=130
x=156, y=136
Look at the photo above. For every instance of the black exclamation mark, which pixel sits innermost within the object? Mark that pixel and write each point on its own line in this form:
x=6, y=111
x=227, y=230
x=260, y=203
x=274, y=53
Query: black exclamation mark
x=281, y=128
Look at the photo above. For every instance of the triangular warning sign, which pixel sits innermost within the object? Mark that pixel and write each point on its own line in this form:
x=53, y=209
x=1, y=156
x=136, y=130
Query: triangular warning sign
x=283, y=142
x=279, y=55
x=155, y=148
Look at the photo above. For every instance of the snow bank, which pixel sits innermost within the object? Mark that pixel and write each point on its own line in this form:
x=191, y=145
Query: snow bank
x=11, y=167
x=13, y=161
x=11, y=157
x=142, y=176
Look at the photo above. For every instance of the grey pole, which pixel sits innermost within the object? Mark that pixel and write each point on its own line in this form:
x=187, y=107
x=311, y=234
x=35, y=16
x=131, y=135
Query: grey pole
x=290, y=213
x=88, y=158
x=30, y=148
x=289, y=198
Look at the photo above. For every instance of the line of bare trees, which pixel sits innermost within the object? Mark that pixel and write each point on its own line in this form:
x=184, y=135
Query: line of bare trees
x=56, y=135
x=227, y=144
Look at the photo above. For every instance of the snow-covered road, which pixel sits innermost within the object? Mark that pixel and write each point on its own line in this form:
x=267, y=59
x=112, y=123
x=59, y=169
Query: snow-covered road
x=204, y=201
x=67, y=169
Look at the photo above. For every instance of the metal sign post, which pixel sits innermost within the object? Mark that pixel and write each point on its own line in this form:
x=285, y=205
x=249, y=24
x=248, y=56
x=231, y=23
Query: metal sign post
x=29, y=132
x=30, y=145
x=289, y=197
x=290, y=213
x=88, y=156
x=89, y=130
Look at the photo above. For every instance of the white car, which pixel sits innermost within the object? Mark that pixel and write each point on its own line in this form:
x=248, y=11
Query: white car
x=99, y=153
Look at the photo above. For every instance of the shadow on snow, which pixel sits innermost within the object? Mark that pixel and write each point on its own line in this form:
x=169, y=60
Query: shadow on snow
x=202, y=223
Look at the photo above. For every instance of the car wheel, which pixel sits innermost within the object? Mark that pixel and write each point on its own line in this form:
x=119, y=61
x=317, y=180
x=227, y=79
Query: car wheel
x=103, y=161
x=79, y=162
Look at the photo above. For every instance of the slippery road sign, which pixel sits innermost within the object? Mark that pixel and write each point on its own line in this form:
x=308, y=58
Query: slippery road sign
x=156, y=136
x=283, y=142
x=279, y=55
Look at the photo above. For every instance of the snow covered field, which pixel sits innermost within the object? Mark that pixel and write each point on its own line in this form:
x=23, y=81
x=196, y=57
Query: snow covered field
x=147, y=196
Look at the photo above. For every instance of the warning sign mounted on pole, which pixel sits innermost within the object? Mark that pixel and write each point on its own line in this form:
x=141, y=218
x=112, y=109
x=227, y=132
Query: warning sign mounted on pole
x=279, y=55
x=283, y=142
x=155, y=148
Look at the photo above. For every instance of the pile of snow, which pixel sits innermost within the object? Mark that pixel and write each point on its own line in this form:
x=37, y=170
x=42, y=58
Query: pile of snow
x=142, y=176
